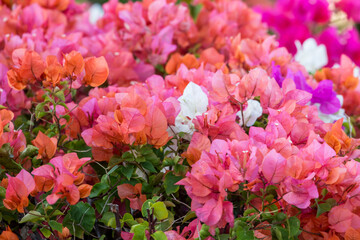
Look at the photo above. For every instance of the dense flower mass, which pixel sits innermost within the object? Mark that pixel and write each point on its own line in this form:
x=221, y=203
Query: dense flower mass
x=164, y=119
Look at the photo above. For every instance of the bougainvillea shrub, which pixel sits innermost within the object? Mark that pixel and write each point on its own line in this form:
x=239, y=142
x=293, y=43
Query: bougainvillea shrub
x=175, y=120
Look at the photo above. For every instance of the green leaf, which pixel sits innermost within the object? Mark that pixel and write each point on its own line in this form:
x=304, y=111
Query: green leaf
x=159, y=235
x=204, y=231
x=109, y=219
x=46, y=232
x=32, y=216
x=243, y=233
x=149, y=166
x=169, y=183
x=6, y=159
x=39, y=110
x=98, y=189
x=148, y=152
x=75, y=230
x=331, y=201
x=165, y=224
x=249, y=211
x=294, y=226
x=322, y=208
x=280, y=216
x=160, y=210
x=60, y=95
x=84, y=215
x=2, y=192
x=140, y=159
x=146, y=205
x=57, y=213
x=29, y=151
x=195, y=10
x=127, y=156
x=113, y=170
x=189, y=215
x=127, y=171
x=56, y=226
x=139, y=231
x=224, y=236
x=128, y=219
x=114, y=160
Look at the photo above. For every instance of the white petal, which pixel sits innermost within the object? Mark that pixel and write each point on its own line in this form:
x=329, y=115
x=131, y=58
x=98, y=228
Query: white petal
x=95, y=12
x=311, y=55
x=252, y=112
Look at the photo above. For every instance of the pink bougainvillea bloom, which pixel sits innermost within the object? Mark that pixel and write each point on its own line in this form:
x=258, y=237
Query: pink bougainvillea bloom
x=18, y=190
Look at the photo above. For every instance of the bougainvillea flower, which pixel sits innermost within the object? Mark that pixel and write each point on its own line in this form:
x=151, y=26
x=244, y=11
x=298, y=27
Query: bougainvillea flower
x=18, y=190
x=341, y=219
x=300, y=192
x=28, y=68
x=311, y=55
x=176, y=60
x=322, y=94
x=47, y=146
x=74, y=63
x=5, y=117
x=193, y=102
x=198, y=144
x=65, y=176
x=337, y=138
x=8, y=235
x=53, y=71
x=252, y=112
x=133, y=193
x=273, y=167
x=96, y=71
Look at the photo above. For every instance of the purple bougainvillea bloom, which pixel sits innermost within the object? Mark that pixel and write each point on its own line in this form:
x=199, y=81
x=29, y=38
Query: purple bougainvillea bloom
x=322, y=94
x=325, y=95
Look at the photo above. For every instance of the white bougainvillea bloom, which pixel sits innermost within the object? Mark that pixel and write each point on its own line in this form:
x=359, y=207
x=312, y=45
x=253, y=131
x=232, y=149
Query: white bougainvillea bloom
x=311, y=55
x=251, y=113
x=95, y=12
x=193, y=102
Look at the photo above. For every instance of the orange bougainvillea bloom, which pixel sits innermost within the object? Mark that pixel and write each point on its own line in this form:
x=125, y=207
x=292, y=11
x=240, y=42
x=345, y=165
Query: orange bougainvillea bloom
x=96, y=71
x=352, y=234
x=5, y=117
x=198, y=144
x=211, y=56
x=74, y=63
x=60, y=5
x=65, y=234
x=84, y=190
x=53, y=71
x=176, y=60
x=337, y=138
x=156, y=127
x=133, y=193
x=29, y=66
x=8, y=235
x=47, y=146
